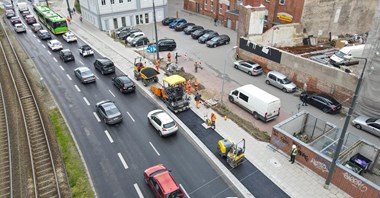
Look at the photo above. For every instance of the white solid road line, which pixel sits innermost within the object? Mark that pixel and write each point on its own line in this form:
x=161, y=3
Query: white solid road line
x=43, y=46
x=122, y=161
x=154, y=148
x=96, y=116
x=55, y=60
x=85, y=99
x=109, y=136
x=112, y=93
x=49, y=52
x=131, y=116
x=184, y=191
x=68, y=76
x=138, y=191
x=61, y=68
x=76, y=87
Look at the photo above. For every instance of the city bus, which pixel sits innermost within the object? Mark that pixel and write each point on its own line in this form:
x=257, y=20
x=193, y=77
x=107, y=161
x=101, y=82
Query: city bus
x=53, y=21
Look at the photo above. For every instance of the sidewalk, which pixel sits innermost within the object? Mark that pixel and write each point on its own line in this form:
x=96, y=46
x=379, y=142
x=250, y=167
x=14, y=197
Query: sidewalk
x=294, y=179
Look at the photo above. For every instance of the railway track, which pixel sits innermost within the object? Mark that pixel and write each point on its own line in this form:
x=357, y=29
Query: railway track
x=5, y=152
x=44, y=181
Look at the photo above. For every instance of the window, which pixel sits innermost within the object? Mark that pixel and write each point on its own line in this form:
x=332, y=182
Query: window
x=220, y=8
x=137, y=19
x=112, y=1
x=103, y=2
x=243, y=97
x=121, y=1
x=146, y=18
x=282, y=2
x=115, y=23
x=129, y=1
x=205, y=5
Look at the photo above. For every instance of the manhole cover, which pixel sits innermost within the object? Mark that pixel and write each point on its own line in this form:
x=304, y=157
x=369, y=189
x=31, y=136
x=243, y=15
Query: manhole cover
x=275, y=162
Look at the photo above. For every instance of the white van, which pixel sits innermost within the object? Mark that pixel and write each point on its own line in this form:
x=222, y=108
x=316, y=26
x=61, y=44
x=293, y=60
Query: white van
x=135, y=35
x=23, y=6
x=261, y=104
x=346, y=54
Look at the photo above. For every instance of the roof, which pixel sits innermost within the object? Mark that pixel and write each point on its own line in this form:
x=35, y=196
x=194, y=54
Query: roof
x=166, y=182
x=174, y=79
x=257, y=91
x=164, y=117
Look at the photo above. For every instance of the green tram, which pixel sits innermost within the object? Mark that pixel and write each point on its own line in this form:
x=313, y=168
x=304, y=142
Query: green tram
x=53, y=21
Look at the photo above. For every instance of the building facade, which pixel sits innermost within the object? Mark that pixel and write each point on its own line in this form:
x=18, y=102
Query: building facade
x=112, y=14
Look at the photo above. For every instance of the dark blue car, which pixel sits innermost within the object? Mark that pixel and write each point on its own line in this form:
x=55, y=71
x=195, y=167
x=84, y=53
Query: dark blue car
x=174, y=23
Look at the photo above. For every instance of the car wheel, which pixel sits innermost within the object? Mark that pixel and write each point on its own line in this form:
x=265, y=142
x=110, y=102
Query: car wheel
x=231, y=99
x=255, y=115
x=250, y=73
x=358, y=126
x=325, y=109
x=159, y=132
x=101, y=71
x=214, y=46
x=267, y=82
x=227, y=42
x=146, y=180
x=236, y=67
x=284, y=90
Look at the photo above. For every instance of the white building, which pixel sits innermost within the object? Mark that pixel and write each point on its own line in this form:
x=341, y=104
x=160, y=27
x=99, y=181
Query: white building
x=111, y=14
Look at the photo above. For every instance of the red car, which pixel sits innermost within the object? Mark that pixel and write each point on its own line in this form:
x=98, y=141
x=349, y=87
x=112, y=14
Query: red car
x=162, y=183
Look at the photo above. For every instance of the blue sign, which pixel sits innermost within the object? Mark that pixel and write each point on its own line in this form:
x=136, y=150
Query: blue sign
x=151, y=48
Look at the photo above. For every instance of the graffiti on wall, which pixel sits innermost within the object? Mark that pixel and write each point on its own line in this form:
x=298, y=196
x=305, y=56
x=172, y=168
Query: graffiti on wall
x=278, y=143
x=304, y=155
x=320, y=164
x=355, y=182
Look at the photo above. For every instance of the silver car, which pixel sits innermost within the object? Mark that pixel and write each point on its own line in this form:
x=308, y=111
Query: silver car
x=280, y=81
x=250, y=67
x=371, y=125
x=84, y=74
x=19, y=27
x=108, y=111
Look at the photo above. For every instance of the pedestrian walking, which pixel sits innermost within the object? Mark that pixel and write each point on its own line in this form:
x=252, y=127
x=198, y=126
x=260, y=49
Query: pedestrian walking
x=169, y=57
x=197, y=99
x=215, y=21
x=81, y=18
x=305, y=86
x=293, y=154
x=158, y=64
x=196, y=66
x=185, y=56
x=213, y=120
x=73, y=10
x=176, y=57
x=304, y=99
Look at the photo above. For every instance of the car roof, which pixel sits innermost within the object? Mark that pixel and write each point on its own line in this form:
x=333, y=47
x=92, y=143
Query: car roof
x=43, y=31
x=18, y=24
x=166, y=182
x=54, y=41
x=104, y=60
x=29, y=16
x=36, y=24
x=69, y=33
x=82, y=69
x=124, y=78
x=164, y=117
x=277, y=74
x=249, y=62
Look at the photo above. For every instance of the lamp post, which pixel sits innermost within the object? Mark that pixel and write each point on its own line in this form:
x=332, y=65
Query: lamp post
x=344, y=130
x=68, y=8
x=224, y=73
x=155, y=30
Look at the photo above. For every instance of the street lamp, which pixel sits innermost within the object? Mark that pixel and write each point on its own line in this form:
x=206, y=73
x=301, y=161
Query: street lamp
x=344, y=130
x=224, y=73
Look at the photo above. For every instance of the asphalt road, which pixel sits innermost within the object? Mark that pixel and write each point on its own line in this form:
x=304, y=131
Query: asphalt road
x=116, y=156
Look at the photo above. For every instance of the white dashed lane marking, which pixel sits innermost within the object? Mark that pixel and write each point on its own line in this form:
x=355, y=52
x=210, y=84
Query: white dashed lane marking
x=76, y=87
x=68, y=76
x=43, y=46
x=61, y=68
x=49, y=52
x=85, y=100
x=138, y=191
x=96, y=116
x=154, y=148
x=55, y=60
x=122, y=161
x=131, y=116
x=112, y=93
x=109, y=136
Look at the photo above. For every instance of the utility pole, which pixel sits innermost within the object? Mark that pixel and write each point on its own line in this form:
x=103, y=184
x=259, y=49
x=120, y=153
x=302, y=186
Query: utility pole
x=155, y=30
x=68, y=8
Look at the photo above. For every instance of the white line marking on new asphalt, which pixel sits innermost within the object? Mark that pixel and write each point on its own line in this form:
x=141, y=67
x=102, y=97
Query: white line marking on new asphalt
x=85, y=99
x=76, y=87
x=61, y=68
x=187, y=195
x=109, y=136
x=154, y=148
x=96, y=116
x=131, y=116
x=55, y=60
x=43, y=46
x=138, y=191
x=68, y=76
x=122, y=160
x=49, y=52
x=112, y=93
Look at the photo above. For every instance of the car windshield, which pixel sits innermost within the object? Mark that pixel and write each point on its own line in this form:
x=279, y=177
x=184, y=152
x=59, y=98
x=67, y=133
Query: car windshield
x=340, y=54
x=206, y=35
x=215, y=39
x=175, y=194
x=286, y=81
x=111, y=110
x=86, y=73
x=168, y=125
x=371, y=120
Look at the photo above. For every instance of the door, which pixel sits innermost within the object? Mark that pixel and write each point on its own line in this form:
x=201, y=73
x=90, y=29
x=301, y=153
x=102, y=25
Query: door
x=123, y=22
x=229, y=22
x=375, y=129
x=197, y=7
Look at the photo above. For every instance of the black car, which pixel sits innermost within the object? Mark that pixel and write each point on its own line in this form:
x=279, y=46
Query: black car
x=124, y=34
x=25, y=13
x=121, y=29
x=218, y=40
x=15, y=20
x=208, y=36
x=124, y=83
x=43, y=34
x=198, y=33
x=66, y=55
x=192, y=28
x=108, y=111
x=168, y=20
x=182, y=26
x=322, y=101
x=104, y=65
x=139, y=41
x=166, y=45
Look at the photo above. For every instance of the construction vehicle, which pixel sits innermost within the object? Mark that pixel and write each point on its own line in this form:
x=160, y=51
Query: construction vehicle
x=234, y=153
x=144, y=73
x=172, y=93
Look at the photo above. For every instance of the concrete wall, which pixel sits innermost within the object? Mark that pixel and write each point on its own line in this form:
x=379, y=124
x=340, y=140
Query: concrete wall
x=279, y=36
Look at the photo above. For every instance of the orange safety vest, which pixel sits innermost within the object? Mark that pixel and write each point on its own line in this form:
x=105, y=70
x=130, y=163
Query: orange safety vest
x=213, y=117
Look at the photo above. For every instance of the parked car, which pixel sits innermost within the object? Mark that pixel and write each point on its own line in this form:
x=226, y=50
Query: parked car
x=322, y=101
x=134, y=35
x=161, y=182
x=66, y=55
x=43, y=34
x=85, y=50
x=15, y=20
x=85, y=75
x=176, y=21
x=369, y=124
x=192, y=28
x=166, y=21
x=139, y=41
x=69, y=37
x=181, y=26
x=121, y=29
x=198, y=33
x=25, y=13
x=249, y=67
x=8, y=6
x=54, y=45
x=162, y=122
x=36, y=26
x=166, y=44
x=108, y=111
x=208, y=36
x=124, y=84
x=30, y=19
x=125, y=34
x=280, y=81
x=10, y=13
x=218, y=40
x=104, y=65
x=19, y=27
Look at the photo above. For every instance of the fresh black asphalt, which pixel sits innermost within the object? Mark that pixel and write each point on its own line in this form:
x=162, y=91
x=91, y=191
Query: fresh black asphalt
x=252, y=178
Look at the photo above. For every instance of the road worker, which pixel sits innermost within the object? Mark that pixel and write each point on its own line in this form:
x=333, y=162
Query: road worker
x=213, y=119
